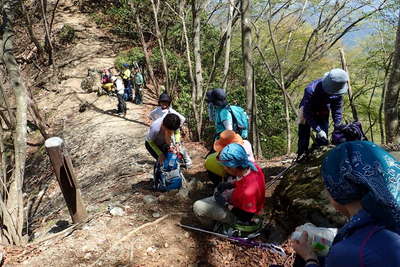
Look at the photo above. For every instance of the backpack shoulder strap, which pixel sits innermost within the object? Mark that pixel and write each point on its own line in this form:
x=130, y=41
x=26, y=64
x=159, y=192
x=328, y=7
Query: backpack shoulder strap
x=374, y=230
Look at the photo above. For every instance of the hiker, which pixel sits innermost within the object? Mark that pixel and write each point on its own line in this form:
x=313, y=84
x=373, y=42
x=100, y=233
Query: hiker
x=119, y=90
x=164, y=107
x=363, y=183
x=321, y=96
x=216, y=171
x=235, y=201
x=106, y=82
x=217, y=110
x=164, y=137
x=126, y=76
x=138, y=82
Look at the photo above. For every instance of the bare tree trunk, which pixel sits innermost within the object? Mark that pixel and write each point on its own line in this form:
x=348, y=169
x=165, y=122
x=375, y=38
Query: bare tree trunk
x=37, y=118
x=228, y=43
x=12, y=207
x=247, y=54
x=349, y=91
x=149, y=66
x=392, y=96
x=28, y=25
x=49, y=44
x=156, y=8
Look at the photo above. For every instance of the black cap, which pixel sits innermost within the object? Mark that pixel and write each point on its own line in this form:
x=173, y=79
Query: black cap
x=164, y=97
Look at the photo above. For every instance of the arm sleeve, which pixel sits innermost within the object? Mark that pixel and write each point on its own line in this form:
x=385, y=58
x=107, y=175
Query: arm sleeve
x=155, y=147
x=337, y=110
x=307, y=112
x=177, y=136
x=226, y=119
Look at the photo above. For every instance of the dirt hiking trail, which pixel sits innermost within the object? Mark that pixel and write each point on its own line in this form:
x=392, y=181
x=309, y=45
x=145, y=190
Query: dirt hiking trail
x=113, y=170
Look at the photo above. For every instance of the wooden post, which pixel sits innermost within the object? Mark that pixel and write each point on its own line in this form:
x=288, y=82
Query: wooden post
x=350, y=93
x=64, y=172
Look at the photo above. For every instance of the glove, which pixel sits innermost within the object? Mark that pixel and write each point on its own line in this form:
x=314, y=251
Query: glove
x=322, y=135
x=224, y=186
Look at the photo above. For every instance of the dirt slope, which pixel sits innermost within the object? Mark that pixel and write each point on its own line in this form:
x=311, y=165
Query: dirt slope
x=113, y=169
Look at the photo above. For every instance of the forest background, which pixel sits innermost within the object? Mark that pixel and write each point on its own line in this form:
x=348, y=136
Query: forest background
x=262, y=52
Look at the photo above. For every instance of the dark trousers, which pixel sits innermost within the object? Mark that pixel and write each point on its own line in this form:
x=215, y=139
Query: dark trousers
x=128, y=90
x=305, y=133
x=121, y=104
x=138, y=95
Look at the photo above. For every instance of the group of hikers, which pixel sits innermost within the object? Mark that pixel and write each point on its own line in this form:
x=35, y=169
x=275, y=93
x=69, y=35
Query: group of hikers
x=362, y=179
x=128, y=85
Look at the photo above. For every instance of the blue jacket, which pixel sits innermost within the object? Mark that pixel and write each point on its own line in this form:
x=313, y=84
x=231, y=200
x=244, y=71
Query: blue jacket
x=362, y=242
x=316, y=105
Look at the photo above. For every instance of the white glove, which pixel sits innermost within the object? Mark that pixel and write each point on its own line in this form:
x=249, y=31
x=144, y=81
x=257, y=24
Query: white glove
x=322, y=135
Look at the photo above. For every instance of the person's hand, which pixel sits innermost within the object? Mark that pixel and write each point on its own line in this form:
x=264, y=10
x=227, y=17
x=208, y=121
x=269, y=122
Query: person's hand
x=322, y=135
x=161, y=158
x=303, y=247
x=230, y=207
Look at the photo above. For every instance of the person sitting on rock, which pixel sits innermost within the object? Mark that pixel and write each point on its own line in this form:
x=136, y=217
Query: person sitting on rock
x=164, y=107
x=321, y=97
x=164, y=137
x=363, y=182
x=236, y=201
x=216, y=171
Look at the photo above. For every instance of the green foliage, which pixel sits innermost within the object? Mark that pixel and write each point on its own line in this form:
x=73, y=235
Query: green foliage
x=67, y=34
x=133, y=55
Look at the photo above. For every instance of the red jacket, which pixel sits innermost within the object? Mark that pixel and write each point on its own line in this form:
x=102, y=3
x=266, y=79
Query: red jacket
x=249, y=192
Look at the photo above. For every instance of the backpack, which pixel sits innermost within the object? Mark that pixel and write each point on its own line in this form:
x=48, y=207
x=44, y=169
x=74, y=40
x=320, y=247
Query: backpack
x=240, y=121
x=167, y=176
x=348, y=132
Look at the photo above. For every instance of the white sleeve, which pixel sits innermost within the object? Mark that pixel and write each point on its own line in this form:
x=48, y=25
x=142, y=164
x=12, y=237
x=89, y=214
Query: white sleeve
x=152, y=114
x=154, y=130
x=228, y=124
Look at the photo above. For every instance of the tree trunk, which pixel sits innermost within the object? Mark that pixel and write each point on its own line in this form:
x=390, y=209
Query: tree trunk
x=228, y=44
x=197, y=8
x=392, y=96
x=247, y=53
x=149, y=66
x=12, y=207
x=156, y=8
x=28, y=25
x=349, y=91
x=49, y=44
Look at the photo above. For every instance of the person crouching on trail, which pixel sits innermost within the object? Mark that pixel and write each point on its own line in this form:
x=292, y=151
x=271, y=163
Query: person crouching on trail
x=164, y=137
x=321, y=97
x=119, y=90
x=162, y=110
x=126, y=76
x=215, y=170
x=138, y=82
x=237, y=201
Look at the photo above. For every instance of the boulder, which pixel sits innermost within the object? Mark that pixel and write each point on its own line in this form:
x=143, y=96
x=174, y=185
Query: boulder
x=301, y=197
x=91, y=83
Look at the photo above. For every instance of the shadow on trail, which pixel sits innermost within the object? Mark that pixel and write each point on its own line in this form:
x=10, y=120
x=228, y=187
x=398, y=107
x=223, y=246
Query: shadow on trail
x=111, y=112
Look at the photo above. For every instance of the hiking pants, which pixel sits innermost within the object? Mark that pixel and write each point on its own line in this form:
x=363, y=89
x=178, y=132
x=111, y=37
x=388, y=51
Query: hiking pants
x=305, y=132
x=121, y=104
x=207, y=210
x=128, y=90
x=138, y=94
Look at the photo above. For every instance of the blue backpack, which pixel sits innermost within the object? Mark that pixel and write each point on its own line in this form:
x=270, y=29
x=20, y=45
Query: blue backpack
x=240, y=121
x=168, y=176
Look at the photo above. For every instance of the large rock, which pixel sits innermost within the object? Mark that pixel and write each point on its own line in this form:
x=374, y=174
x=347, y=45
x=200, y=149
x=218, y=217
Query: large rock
x=91, y=83
x=301, y=197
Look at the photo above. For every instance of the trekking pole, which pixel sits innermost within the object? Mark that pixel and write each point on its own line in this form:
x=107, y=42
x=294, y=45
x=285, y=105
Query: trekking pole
x=280, y=175
x=242, y=241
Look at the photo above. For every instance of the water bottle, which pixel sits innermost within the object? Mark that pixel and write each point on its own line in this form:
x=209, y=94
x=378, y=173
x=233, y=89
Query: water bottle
x=172, y=161
x=320, y=238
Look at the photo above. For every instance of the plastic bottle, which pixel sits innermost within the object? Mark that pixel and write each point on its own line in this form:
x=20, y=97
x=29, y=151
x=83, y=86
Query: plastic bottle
x=320, y=238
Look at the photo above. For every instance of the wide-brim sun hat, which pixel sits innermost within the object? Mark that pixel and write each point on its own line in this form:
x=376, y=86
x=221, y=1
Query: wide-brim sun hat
x=335, y=82
x=227, y=137
x=218, y=97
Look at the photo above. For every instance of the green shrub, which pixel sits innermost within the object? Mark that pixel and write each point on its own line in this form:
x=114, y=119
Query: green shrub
x=67, y=34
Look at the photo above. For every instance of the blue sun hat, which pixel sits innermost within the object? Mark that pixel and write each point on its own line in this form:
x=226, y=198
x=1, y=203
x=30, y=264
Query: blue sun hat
x=335, y=82
x=361, y=170
x=234, y=156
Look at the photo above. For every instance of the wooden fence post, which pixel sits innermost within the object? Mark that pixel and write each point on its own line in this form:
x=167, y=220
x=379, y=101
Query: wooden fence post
x=64, y=172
